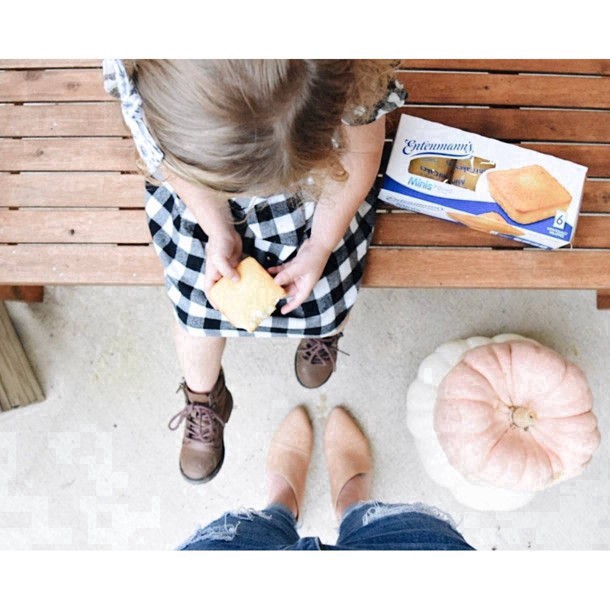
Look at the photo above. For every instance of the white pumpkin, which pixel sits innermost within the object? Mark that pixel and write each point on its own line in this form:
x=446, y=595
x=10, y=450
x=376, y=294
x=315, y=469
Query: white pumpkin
x=496, y=424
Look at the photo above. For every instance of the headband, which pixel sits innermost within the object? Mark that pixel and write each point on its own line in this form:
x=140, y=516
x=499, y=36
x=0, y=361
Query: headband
x=118, y=83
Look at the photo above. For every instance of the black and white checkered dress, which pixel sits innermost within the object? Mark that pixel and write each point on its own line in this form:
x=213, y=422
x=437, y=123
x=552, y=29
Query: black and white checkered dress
x=272, y=229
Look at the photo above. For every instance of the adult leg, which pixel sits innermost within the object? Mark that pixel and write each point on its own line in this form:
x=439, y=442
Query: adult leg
x=373, y=525
x=273, y=528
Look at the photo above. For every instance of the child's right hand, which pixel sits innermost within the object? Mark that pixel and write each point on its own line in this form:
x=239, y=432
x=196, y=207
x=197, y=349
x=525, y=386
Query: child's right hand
x=223, y=253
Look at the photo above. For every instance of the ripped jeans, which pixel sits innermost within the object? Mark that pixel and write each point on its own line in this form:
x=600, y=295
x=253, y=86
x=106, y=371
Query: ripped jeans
x=367, y=525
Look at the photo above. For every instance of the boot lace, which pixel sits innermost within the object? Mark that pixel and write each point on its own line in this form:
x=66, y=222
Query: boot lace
x=322, y=351
x=202, y=423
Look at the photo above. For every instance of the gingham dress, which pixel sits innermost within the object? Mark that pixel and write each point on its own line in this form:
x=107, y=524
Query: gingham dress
x=272, y=229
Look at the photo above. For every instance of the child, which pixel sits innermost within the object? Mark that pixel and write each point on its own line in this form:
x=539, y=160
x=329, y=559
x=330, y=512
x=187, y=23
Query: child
x=267, y=158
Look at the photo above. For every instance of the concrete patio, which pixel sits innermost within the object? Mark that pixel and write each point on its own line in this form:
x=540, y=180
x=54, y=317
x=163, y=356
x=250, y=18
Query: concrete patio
x=95, y=467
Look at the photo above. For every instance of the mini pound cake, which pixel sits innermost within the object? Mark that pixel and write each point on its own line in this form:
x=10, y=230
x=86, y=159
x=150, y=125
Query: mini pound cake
x=249, y=301
x=528, y=194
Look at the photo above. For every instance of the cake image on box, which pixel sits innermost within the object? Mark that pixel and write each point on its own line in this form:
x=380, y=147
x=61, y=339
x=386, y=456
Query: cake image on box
x=249, y=301
x=528, y=194
x=488, y=222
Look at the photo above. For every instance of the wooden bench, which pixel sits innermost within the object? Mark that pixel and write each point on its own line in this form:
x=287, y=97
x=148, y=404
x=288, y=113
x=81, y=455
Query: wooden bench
x=71, y=200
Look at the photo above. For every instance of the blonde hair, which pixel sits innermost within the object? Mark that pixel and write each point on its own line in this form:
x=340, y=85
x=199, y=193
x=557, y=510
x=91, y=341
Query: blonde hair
x=256, y=126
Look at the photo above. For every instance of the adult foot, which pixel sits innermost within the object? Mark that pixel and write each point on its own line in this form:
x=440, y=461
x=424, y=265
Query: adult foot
x=348, y=459
x=288, y=460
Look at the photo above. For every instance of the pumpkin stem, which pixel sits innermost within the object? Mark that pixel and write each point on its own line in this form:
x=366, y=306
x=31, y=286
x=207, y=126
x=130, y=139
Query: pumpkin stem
x=522, y=417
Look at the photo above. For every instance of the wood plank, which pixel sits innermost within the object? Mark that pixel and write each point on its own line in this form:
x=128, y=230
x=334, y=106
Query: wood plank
x=28, y=294
x=70, y=154
x=79, y=85
x=429, y=268
x=553, y=66
x=82, y=265
x=11, y=64
x=40, y=120
x=507, y=89
x=43, y=226
x=64, y=189
x=424, y=88
x=18, y=384
x=516, y=124
x=596, y=158
x=603, y=299
x=386, y=267
x=405, y=229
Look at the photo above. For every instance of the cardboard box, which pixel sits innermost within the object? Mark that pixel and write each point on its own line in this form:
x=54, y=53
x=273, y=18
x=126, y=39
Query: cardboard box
x=483, y=183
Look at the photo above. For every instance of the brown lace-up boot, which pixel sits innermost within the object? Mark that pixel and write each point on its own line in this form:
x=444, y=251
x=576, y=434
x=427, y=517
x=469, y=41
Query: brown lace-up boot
x=315, y=360
x=205, y=416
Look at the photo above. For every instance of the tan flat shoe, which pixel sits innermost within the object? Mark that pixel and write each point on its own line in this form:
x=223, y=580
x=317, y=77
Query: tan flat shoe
x=347, y=452
x=290, y=452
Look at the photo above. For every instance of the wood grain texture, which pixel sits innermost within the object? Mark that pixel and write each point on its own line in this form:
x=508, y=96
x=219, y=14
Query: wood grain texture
x=423, y=87
x=516, y=124
x=65, y=189
x=386, y=267
x=69, y=154
x=101, y=226
x=59, y=226
x=11, y=64
x=18, y=384
x=48, y=120
x=27, y=294
x=83, y=265
x=429, y=268
x=507, y=89
x=554, y=66
x=411, y=229
x=78, y=85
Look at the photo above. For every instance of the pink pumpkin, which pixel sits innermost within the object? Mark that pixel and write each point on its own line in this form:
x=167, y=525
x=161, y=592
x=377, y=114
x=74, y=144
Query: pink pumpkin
x=516, y=415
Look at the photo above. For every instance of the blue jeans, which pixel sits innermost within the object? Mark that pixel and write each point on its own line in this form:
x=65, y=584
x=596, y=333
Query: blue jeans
x=365, y=526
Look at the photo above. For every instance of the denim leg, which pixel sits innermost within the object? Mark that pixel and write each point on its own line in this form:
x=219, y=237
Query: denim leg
x=273, y=528
x=377, y=526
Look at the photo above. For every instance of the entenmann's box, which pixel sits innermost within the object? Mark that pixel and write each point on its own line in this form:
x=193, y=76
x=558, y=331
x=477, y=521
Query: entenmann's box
x=483, y=183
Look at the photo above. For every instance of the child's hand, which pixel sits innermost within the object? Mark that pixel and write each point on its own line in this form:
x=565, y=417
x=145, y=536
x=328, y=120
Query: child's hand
x=223, y=253
x=301, y=274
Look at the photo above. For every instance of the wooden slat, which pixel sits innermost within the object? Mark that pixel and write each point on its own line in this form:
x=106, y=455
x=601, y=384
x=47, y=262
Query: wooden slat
x=44, y=226
x=596, y=158
x=428, y=268
x=386, y=267
x=554, y=66
x=404, y=229
x=87, y=265
x=18, y=384
x=504, y=89
x=79, y=85
x=95, y=119
x=70, y=154
x=130, y=227
x=516, y=124
x=61, y=189
x=28, y=294
x=424, y=88
x=596, y=196
x=9, y=64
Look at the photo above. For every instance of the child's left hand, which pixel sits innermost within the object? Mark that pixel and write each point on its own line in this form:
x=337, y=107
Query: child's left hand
x=301, y=274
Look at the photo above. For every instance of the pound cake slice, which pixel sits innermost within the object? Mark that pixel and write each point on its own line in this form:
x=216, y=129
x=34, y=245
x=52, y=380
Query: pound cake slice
x=249, y=301
x=528, y=194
